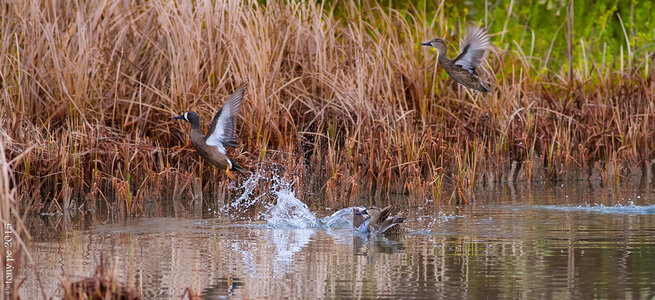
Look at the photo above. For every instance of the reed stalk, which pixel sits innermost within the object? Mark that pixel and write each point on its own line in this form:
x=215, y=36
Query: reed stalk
x=343, y=90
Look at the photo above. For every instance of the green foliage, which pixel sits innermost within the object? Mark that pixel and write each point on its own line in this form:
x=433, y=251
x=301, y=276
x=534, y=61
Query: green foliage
x=535, y=25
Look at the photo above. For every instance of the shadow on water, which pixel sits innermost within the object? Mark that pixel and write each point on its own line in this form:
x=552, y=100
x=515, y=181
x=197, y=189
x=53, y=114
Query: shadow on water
x=563, y=241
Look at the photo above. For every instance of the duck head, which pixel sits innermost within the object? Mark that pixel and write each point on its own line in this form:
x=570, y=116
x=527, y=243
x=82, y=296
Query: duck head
x=438, y=44
x=190, y=117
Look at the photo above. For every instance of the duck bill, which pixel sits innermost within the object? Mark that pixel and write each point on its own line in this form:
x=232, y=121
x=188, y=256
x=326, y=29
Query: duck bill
x=179, y=117
x=426, y=44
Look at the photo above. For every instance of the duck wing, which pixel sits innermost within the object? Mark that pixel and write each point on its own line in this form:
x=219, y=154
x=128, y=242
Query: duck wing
x=472, y=50
x=385, y=213
x=389, y=223
x=221, y=132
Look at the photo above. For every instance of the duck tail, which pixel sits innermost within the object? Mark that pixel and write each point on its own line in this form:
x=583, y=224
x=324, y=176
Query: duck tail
x=483, y=87
x=236, y=166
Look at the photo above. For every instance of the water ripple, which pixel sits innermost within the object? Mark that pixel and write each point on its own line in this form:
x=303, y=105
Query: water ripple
x=630, y=209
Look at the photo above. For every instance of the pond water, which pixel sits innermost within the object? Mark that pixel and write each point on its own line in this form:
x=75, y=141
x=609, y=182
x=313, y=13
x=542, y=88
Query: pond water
x=543, y=241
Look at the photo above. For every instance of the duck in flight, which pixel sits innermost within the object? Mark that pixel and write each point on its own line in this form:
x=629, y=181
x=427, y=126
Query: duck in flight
x=376, y=220
x=462, y=69
x=211, y=147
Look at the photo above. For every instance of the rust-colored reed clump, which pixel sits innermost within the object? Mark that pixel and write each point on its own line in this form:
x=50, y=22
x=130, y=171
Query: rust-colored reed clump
x=100, y=286
x=341, y=97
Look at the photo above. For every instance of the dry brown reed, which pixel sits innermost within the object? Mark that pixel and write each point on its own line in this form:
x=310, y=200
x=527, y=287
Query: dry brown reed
x=103, y=285
x=13, y=231
x=350, y=105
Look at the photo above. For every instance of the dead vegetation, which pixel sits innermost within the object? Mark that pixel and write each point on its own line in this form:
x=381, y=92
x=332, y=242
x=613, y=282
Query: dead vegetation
x=346, y=104
x=102, y=285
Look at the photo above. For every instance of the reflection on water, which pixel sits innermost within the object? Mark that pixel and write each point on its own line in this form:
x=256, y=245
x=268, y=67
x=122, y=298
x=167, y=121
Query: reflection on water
x=571, y=241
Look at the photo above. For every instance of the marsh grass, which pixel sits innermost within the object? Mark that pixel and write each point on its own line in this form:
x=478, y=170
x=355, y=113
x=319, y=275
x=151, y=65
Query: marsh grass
x=14, y=232
x=102, y=285
x=342, y=97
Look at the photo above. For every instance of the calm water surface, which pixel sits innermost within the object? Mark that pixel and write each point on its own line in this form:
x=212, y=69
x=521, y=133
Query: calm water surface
x=548, y=242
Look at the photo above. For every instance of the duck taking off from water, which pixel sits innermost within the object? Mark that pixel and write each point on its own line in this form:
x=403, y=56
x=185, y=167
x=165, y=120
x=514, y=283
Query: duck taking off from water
x=211, y=147
x=376, y=220
x=472, y=51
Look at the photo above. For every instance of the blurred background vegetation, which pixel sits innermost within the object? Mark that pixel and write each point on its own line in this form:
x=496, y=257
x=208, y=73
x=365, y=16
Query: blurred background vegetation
x=594, y=32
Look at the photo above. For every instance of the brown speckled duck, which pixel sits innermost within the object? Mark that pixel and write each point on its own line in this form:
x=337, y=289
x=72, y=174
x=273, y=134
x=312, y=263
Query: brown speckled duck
x=376, y=220
x=211, y=147
x=472, y=51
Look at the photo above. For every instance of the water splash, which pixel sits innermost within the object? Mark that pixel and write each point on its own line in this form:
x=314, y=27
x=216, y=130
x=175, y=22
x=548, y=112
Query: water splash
x=266, y=189
x=294, y=224
x=343, y=218
x=630, y=209
x=289, y=212
x=282, y=208
x=246, y=199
